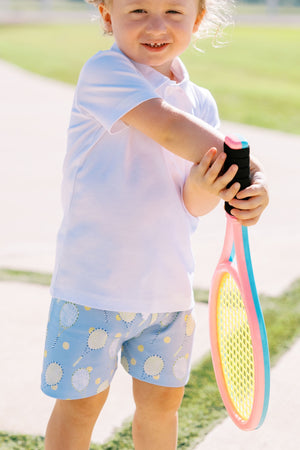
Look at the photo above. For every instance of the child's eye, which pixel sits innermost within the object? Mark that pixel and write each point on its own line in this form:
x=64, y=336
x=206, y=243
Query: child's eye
x=139, y=11
x=172, y=11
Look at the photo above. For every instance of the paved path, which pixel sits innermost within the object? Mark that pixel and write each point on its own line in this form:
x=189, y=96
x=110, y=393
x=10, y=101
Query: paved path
x=34, y=114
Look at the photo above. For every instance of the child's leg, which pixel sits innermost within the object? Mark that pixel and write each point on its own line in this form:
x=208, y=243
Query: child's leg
x=155, y=420
x=80, y=359
x=72, y=421
x=159, y=360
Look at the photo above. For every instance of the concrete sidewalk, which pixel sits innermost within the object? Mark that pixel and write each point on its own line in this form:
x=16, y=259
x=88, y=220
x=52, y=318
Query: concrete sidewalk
x=34, y=114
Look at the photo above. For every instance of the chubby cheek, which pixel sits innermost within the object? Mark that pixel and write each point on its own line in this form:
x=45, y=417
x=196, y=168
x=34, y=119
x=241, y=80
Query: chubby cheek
x=184, y=29
x=126, y=36
x=183, y=37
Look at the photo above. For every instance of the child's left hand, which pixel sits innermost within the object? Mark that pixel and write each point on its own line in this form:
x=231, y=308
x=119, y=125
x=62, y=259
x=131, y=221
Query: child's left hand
x=251, y=202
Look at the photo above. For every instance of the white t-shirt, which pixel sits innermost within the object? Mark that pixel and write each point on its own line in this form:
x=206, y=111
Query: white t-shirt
x=124, y=243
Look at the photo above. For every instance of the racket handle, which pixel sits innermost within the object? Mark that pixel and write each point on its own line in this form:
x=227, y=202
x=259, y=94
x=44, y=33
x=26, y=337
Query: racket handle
x=238, y=152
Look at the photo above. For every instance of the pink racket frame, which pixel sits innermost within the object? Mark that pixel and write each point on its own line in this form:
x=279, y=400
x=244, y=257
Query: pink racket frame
x=234, y=234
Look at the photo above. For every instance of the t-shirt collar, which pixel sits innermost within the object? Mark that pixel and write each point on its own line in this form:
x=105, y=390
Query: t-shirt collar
x=157, y=79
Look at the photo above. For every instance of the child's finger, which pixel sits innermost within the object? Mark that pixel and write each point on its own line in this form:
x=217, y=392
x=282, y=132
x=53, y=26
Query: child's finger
x=228, y=194
x=228, y=176
x=210, y=165
x=249, y=191
x=215, y=168
x=247, y=217
x=203, y=166
x=247, y=204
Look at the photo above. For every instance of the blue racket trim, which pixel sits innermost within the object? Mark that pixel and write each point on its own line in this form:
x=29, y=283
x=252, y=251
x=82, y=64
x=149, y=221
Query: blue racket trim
x=243, y=141
x=260, y=322
x=232, y=254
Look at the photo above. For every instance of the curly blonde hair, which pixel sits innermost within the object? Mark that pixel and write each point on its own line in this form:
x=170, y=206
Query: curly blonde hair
x=218, y=15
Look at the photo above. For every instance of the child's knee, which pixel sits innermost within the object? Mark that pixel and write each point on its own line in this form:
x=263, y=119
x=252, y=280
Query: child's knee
x=158, y=400
x=170, y=400
x=82, y=410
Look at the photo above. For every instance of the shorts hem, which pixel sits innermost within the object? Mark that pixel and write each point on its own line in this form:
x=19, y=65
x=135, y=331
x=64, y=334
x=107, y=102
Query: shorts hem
x=53, y=394
x=155, y=383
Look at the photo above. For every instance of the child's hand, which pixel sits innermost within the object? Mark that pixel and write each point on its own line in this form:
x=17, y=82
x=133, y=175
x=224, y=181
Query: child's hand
x=206, y=184
x=207, y=175
x=251, y=202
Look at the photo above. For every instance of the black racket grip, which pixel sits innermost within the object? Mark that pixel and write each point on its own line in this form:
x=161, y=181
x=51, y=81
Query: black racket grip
x=239, y=155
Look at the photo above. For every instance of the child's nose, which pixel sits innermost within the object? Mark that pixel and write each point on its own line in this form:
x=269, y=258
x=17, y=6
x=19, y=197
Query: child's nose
x=156, y=24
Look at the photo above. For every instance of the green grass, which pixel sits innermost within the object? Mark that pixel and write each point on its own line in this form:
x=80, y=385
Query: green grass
x=24, y=276
x=55, y=51
x=20, y=442
x=255, y=79
x=202, y=407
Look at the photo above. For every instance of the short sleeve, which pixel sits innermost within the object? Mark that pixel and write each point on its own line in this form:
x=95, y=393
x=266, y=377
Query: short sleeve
x=210, y=110
x=109, y=86
x=207, y=108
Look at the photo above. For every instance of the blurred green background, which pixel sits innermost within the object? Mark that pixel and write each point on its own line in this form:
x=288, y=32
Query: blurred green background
x=254, y=78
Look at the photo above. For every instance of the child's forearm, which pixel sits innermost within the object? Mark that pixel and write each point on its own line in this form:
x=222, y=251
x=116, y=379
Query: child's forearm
x=177, y=131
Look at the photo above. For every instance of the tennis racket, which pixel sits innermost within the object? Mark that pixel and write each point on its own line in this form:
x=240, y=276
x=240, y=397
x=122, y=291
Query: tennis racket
x=238, y=336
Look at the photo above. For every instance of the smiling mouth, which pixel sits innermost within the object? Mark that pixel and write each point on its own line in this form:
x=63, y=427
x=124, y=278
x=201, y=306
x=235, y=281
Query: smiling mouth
x=155, y=45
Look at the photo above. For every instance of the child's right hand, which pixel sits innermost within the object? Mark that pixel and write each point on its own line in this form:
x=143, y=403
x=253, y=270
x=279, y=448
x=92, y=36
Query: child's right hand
x=206, y=183
x=209, y=177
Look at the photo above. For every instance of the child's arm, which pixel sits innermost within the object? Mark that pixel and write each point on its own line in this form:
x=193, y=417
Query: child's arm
x=175, y=130
x=190, y=138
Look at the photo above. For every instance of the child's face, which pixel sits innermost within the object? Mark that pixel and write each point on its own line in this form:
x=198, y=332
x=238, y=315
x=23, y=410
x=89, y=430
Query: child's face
x=152, y=32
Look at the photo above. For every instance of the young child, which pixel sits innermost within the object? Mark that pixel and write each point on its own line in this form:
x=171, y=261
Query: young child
x=144, y=160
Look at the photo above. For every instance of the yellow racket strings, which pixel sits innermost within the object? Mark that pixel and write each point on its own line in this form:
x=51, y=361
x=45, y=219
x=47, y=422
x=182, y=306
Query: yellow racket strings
x=235, y=346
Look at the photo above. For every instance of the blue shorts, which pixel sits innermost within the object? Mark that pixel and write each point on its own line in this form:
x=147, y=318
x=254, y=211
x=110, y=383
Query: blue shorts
x=83, y=344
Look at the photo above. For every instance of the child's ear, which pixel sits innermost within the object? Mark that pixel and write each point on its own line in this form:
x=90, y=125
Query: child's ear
x=106, y=17
x=198, y=20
